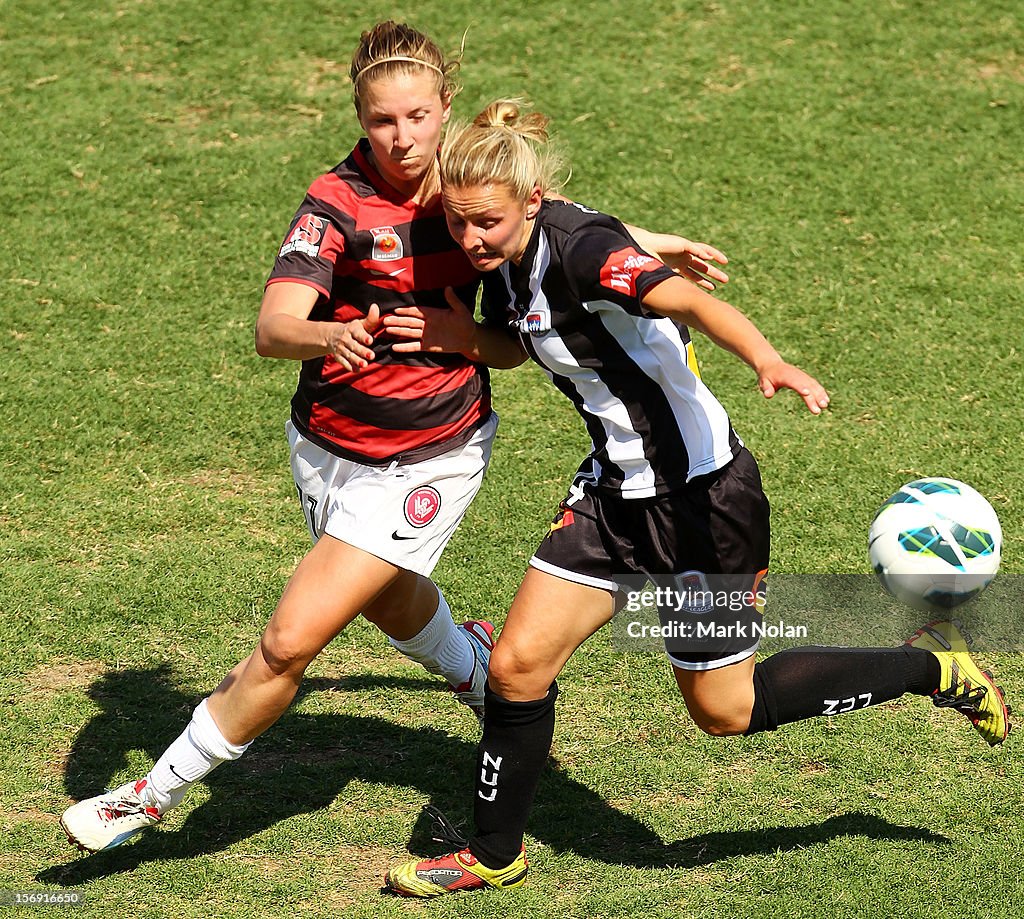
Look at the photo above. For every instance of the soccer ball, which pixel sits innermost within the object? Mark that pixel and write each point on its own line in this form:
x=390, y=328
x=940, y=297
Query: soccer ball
x=935, y=544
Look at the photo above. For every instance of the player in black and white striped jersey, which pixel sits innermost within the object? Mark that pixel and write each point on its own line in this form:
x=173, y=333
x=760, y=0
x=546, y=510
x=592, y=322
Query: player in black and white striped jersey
x=386, y=453
x=579, y=311
x=668, y=492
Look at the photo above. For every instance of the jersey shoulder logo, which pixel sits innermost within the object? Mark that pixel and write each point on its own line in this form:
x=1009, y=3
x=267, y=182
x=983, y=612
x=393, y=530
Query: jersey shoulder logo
x=422, y=505
x=621, y=269
x=387, y=246
x=305, y=237
x=538, y=321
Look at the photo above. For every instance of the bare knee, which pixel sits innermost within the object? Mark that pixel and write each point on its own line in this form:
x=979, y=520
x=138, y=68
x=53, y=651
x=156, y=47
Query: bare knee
x=720, y=701
x=285, y=653
x=515, y=678
x=719, y=722
x=505, y=671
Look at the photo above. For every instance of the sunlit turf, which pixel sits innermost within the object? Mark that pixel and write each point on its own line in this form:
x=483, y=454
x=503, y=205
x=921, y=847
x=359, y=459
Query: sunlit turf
x=858, y=162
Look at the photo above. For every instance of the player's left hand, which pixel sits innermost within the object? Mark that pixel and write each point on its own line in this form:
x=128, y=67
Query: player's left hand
x=780, y=375
x=427, y=328
x=693, y=260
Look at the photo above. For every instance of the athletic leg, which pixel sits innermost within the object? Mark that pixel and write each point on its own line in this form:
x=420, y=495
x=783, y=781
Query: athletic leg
x=415, y=616
x=550, y=618
x=326, y=592
x=730, y=515
x=414, y=510
x=804, y=682
x=745, y=698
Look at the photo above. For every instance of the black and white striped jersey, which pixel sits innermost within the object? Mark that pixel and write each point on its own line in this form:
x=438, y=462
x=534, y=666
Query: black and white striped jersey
x=574, y=300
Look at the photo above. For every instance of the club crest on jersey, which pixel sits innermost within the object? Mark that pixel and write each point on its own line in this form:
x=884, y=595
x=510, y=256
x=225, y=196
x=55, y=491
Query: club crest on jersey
x=537, y=321
x=422, y=505
x=620, y=270
x=387, y=246
x=305, y=237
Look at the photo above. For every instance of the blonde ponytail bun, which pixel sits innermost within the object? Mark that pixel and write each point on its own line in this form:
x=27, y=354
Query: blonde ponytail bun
x=505, y=145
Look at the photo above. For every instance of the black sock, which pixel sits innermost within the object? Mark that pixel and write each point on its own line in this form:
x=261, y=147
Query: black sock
x=804, y=682
x=510, y=759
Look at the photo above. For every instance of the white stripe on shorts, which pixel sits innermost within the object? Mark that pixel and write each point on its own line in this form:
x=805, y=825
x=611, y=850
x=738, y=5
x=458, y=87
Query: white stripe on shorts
x=566, y=575
x=716, y=664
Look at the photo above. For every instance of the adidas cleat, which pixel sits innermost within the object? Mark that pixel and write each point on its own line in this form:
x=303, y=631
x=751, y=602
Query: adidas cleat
x=453, y=872
x=109, y=819
x=963, y=686
x=481, y=638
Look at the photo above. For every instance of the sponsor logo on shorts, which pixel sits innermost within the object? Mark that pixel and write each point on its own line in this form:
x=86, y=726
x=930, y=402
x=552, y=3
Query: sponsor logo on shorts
x=306, y=236
x=564, y=518
x=422, y=505
x=620, y=270
x=386, y=244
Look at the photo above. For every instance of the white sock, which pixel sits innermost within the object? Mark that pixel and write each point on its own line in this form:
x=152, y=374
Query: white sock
x=441, y=646
x=199, y=749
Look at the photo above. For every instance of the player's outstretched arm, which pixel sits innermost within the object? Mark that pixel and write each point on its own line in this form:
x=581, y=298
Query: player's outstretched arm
x=284, y=329
x=728, y=328
x=425, y=328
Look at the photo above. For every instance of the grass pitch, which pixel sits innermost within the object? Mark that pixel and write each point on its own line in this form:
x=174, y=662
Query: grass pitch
x=860, y=164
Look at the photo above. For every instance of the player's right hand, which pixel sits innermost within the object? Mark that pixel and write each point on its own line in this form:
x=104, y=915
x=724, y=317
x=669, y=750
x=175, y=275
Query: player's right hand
x=425, y=328
x=349, y=342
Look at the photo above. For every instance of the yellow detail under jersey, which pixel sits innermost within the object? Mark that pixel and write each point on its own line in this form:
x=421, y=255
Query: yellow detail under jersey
x=691, y=360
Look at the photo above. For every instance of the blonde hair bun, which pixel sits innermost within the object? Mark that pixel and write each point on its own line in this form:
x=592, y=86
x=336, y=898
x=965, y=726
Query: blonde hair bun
x=505, y=145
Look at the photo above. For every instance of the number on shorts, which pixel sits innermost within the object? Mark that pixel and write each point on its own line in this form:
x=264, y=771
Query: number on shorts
x=309, y=503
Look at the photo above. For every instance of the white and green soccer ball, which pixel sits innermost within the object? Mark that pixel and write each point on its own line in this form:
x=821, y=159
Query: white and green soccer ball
x=935, y=544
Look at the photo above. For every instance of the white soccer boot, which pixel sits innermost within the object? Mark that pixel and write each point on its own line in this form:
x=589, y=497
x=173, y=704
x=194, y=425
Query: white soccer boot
x=109, y=819
x=471, y=693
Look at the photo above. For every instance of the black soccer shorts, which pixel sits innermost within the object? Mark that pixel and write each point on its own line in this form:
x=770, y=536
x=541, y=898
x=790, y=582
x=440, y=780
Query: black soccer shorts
x=706, y=546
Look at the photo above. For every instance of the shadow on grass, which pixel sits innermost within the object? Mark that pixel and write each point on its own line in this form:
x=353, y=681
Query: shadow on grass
x=305, y=761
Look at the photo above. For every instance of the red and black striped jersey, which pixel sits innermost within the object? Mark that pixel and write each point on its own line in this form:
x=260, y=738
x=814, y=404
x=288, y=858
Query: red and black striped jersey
x=358, y=241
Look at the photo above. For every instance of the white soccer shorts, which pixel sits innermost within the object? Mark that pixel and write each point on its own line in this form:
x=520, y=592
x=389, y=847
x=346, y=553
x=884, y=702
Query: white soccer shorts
x=402, y=514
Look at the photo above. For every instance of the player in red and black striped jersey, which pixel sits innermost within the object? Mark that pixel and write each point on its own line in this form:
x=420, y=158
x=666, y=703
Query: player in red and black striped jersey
x=387, y=448
x=353, y=241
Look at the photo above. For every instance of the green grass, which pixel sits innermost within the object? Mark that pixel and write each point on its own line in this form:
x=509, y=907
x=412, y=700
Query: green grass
x=860, y=164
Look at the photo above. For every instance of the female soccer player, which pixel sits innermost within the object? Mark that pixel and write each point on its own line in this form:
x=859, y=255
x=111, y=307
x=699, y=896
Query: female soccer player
x=387, y=450
x=669, y=491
